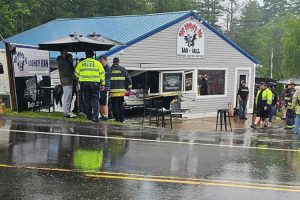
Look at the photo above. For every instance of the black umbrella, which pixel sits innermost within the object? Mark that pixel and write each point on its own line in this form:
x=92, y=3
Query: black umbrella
x=79, y=43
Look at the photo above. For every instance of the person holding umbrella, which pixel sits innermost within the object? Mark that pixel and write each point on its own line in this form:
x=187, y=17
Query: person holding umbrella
x=66, y=72
x=91, y=75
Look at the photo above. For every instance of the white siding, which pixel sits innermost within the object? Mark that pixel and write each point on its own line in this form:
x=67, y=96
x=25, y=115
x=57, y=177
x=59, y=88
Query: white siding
x=159, y=50
x=4, y=84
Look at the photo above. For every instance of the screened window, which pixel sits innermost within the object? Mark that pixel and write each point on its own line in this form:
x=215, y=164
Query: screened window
x=211, y=82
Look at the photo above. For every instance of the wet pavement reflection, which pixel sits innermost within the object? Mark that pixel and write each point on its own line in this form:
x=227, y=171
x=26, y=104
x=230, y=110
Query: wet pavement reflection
x=121, y=162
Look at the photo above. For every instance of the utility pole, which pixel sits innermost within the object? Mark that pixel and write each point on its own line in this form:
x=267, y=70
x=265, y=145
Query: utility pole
x=272, y=56
x=227, y=25
x=12, y=88
x=231, y=18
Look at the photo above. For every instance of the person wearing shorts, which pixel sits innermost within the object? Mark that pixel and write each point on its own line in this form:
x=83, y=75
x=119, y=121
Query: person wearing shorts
x=104, y=95
x=263, y=103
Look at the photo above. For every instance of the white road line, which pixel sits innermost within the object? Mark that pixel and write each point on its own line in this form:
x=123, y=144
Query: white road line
x=147, y=140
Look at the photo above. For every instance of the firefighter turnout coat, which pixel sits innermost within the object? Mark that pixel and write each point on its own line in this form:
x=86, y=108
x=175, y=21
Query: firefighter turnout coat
x=120, y=81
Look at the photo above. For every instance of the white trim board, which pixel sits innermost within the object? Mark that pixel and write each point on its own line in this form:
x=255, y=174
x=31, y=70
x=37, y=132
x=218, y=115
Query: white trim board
x=249, y=84
x=199, y=115
x=213, y=96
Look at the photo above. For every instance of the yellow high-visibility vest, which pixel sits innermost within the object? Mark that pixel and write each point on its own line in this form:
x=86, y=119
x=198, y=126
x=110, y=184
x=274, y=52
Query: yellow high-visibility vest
x=267, y=96
x=90, y=70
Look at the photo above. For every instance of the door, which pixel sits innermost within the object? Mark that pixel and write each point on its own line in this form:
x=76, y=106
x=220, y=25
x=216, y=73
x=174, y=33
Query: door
x=242, y=75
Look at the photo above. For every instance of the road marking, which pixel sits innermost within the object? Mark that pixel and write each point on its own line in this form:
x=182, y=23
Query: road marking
x=166, y=179
x=189, y=182
x=148, y=140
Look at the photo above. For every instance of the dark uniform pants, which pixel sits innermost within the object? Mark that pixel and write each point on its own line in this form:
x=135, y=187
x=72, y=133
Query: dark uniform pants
x=118, y=108
x=290, y=118
x=90, y=92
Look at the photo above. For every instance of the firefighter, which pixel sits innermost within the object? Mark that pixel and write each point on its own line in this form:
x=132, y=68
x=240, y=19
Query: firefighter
x=120, y=81
x=263, y=103
x=91, y=76
x=288, y=99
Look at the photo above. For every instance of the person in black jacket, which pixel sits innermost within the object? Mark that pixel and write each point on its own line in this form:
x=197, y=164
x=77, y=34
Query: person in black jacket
x=120, y=82
x=243, y=96
x=66, y=72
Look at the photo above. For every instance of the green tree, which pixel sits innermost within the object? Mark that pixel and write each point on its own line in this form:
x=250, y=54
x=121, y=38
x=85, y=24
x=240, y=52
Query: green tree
x=211, y=10
x=274, y=9
x=171, y=5
x=291, y=46
x=7, y=21
x=270, y=37
x=294, y=7
x=248, y=29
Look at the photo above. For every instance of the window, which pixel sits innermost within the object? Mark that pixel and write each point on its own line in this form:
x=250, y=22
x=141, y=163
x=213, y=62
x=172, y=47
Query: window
x=211, y=82
x=188, y=81
x=172, y=82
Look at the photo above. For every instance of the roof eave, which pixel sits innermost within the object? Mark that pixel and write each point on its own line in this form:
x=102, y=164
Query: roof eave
x=229, y=41
x=188, y=14
x=165, y=26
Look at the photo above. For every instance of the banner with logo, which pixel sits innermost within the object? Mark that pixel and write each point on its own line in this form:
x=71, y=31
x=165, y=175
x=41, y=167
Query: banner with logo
x=29, y=61
x=30, y=66
x=190, y=40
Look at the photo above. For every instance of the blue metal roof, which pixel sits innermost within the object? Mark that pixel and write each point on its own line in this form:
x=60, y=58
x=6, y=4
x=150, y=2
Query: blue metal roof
x=126, y=29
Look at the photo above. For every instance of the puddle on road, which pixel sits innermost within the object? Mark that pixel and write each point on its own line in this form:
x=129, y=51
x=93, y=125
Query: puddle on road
x=104, y=154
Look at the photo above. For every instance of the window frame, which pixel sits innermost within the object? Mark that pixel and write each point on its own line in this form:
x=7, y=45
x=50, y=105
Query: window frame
x=225, y=86
x=184, y=79
x=170, y=72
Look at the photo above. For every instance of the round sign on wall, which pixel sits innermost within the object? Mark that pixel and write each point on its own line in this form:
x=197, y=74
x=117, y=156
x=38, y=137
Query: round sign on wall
x=190, y=40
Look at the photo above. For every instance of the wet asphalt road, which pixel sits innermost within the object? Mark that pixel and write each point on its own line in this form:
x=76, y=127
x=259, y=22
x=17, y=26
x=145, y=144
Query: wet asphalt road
x=47, y=160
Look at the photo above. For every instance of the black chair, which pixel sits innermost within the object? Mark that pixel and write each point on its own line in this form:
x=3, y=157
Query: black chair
x=41, y=91
x=223, y=114
x=160, y=112
x=148, y=110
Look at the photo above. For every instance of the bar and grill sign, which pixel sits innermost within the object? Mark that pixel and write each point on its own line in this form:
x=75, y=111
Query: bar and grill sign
x=190, y=40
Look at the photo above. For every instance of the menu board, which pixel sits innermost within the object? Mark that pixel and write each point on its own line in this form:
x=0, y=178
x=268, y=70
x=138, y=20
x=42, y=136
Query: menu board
x=172, y=82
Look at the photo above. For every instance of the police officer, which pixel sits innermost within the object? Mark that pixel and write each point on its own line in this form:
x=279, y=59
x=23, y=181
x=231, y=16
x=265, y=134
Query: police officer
x=263, y=103
x=92, y=79
x=288, y=99
x=120, y=82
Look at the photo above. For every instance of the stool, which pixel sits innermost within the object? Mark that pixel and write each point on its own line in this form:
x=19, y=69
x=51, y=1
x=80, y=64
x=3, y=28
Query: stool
x=223, y=114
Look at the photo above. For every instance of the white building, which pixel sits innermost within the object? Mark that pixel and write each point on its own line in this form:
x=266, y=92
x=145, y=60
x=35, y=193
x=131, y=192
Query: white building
x=167, y=52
